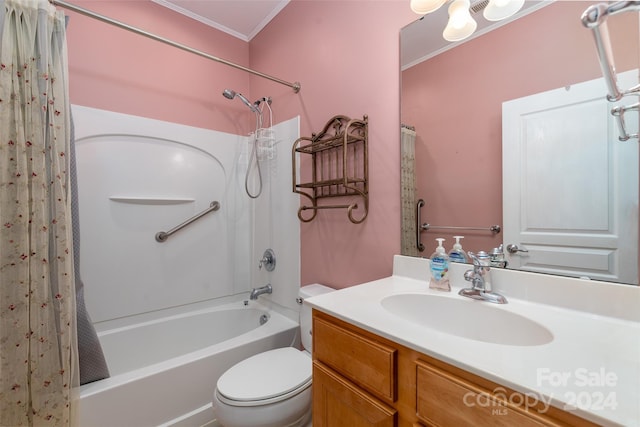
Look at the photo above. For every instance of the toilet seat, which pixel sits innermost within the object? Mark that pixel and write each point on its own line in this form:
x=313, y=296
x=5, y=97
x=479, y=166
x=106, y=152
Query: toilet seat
x=274, y=375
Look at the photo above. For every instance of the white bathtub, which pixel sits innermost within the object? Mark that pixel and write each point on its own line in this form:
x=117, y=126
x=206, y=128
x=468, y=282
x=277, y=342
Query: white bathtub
x=164, y=371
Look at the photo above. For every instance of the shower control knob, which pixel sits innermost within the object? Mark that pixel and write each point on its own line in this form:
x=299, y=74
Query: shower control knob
x=268, y=260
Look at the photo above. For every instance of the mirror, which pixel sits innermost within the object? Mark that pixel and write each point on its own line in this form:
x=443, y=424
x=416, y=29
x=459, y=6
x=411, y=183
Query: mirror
x=453, y=96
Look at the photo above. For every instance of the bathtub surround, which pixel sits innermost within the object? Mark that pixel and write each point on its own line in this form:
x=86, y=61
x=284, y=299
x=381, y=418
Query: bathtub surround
x=147, y=310
x=37, y=320
x=169, y=173
x=165, y=174
x=275, y=223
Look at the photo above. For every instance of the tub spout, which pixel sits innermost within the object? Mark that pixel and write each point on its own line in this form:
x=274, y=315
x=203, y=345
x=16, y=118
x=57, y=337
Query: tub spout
x=266, y=289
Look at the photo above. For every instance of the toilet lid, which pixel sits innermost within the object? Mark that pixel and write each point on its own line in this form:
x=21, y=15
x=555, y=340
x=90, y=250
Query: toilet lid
x=266, y=375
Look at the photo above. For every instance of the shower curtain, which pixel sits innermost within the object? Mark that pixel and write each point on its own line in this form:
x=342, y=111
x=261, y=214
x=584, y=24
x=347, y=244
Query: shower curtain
x=38, y=351
x=408, y=190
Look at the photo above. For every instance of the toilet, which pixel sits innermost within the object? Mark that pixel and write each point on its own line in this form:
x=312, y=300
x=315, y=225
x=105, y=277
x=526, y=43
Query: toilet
x=273, y=388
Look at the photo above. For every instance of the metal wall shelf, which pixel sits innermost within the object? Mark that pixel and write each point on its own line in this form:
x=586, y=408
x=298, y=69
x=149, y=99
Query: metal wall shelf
x=339, y=167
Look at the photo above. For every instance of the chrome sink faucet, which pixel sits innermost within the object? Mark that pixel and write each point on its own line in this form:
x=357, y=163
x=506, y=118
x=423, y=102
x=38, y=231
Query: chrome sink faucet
x=256, y=292
x=480, y=278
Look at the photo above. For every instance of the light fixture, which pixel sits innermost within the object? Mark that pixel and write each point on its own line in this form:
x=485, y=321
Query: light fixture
x=422, y=7
x=498, y=10
x=461, y=25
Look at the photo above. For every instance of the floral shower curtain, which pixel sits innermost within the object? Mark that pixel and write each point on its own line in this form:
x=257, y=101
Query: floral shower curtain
x=38, y=351
x=408, y=190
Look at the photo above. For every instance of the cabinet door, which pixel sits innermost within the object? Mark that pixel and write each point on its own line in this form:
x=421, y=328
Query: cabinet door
x=446, y=400
x=337, y=402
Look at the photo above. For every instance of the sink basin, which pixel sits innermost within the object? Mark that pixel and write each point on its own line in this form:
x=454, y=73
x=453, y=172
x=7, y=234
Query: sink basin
x=466, y=318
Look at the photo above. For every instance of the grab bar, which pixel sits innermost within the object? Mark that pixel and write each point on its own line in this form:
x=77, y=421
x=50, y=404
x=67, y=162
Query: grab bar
x=594, y=18
x=162, y=236
x=419, y=244
x=495, y=229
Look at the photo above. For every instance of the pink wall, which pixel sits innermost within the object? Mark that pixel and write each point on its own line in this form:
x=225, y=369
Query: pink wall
x=117, y=70
x=345, y=54
x=455, y=102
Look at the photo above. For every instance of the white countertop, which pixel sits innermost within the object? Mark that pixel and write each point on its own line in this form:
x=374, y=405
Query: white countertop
x=592, y=366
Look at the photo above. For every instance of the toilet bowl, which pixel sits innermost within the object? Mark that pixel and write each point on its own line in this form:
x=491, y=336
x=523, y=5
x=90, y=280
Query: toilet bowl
x=273, y=388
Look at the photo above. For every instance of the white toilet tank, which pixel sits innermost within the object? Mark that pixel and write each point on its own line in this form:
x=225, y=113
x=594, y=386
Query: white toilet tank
x=309, y=291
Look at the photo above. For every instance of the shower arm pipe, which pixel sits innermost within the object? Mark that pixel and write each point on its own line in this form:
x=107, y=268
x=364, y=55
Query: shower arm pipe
x=162, y=236
x=295, y=86
x=595, y=19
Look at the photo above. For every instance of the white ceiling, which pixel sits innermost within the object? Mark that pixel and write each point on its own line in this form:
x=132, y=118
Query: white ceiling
x=241, y=18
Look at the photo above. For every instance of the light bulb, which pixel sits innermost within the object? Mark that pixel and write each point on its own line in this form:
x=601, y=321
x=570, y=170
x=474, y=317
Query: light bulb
x=497, y=10
x=422, y=7
x=458, y=18
x=461, y=25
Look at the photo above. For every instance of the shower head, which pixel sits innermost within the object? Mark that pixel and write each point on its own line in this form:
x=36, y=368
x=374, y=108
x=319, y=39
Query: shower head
x=230, y=94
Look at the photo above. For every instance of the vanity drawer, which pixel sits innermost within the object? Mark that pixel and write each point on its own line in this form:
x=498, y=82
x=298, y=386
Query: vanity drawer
x=337, y=402
x=366, y=362
x=444, y=399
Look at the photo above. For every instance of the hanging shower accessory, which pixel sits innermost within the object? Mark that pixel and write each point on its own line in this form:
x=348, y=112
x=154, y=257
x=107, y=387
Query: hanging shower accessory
x=262, y=139
x=265, y=137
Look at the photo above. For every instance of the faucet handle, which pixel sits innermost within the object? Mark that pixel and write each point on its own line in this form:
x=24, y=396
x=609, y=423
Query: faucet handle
x=480, y=259
x=497, y=257
x=268, y=260
x=469, y=275
x=474, y=259
x=498, y=251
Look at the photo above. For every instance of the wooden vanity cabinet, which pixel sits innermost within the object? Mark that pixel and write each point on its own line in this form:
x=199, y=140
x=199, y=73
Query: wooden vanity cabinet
x=354, y=377
x=338, y=402
x=362, y=380
x=470, y=403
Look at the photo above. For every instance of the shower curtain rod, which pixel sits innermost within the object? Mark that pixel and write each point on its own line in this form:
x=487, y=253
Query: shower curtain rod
x=295, y=86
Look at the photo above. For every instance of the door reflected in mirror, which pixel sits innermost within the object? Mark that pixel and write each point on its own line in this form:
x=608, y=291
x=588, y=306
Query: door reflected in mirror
x=563, y=182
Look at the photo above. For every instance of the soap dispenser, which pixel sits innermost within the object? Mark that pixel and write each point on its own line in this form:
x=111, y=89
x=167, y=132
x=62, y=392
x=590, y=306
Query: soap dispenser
x=440, y=268
x=457, y=254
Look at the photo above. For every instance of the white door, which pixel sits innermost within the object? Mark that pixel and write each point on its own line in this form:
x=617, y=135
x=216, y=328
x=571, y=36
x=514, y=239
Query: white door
x=570, y=188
